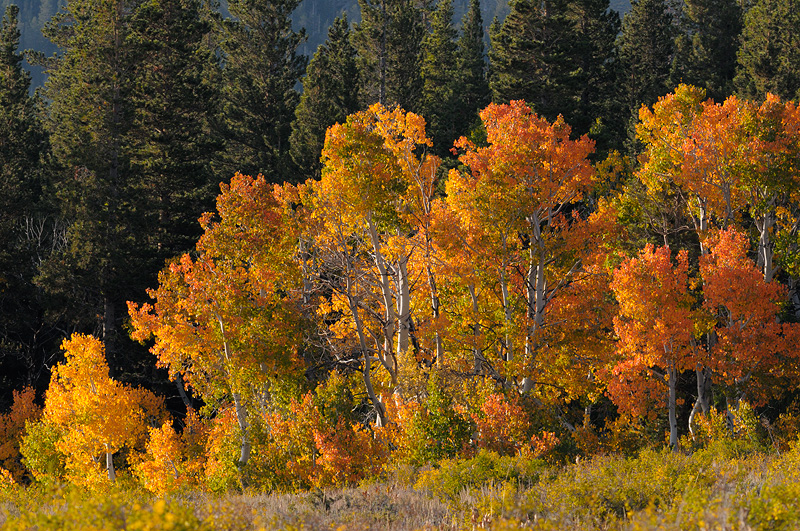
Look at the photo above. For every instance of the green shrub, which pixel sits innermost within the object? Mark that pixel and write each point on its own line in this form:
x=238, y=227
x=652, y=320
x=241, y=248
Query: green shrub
x=39, y=453
x=438, y=430
x=456, y=475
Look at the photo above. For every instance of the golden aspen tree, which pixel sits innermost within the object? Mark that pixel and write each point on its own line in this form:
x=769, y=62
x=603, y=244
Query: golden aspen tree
x=97, y=415
x=226, y=317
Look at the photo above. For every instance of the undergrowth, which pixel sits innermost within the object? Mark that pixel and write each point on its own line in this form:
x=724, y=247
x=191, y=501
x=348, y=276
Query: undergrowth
x=727, y=485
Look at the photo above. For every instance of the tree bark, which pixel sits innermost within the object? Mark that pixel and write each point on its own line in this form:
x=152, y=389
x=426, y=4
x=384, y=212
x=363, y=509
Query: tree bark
x=112, y=475
x=702, y=402
x=673, y=418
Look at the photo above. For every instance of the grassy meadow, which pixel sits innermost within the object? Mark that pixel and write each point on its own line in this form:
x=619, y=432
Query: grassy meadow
x=729, y=484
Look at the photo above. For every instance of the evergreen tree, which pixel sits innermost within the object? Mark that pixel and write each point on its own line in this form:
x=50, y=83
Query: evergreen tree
x=646, y=49
x=131, y=100
x=23, y=144
x=595, y=29
x=330, y=94
x=554, y=55
x=21, y=135
x=705, y=54
x=261, y=70
x=89, y=88
x=769, y=57
x=529, y=58
x=389, y=42
x=173, y=100
x=473, y=92
x=440, y=78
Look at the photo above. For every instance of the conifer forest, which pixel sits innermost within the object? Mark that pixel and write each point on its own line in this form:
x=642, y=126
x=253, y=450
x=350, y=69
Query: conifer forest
x=399, y=264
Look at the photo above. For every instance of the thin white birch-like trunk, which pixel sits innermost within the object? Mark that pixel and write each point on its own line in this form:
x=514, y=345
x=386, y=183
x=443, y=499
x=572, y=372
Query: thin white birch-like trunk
x=387, y=356
x=381, y=421
x=244, y=427
x=477, y=356
x=766, y=253
x=403, y=307
x=673, y=401
x=112, y=475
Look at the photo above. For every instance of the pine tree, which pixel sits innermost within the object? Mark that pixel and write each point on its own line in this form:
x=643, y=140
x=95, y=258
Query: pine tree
x=23, y=147
x=705, y=54
x=528, y=56
x=595, y=29
x=646, y=49
x=389, y=40
x=131, y=102
x=89, y=88
x=554, y=55
x=174, y=99
x=21, y=135
x=473, y=89
x=330, y=94
x=440, y=78
x=261, y=70
x=769, y=57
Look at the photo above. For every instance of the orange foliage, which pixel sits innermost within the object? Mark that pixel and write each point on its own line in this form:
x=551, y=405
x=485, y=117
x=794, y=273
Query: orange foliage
x=655, y=328
x=348, y=454
x=750, y=340
x=502, y=424
x=12, y=426
x=173, y=462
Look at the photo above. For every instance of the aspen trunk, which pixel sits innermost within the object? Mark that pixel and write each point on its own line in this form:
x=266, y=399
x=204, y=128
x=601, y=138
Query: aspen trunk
x=702, y=402
x=477, y=356
x=241, y=418
x=403, y=307
x=507, y=313
x=435, y=308
x=381, y=412
x=112, y=475
x=387, y=357
x=765, y=251
x=673, y=418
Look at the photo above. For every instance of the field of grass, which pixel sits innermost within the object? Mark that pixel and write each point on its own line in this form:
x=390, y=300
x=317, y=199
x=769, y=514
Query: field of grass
x=728, y=485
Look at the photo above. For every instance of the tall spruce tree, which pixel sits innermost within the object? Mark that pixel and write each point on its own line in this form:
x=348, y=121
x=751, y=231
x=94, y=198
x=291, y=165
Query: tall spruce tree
x=705, y=53
x=529, y=56
x=261, y=69
x=330, y=94
x=595, y=29
x=769, y=57
x=174, y=98
x=646, y=50
x=129, y=113
x=554, y=55
x=24, y=230
x=22, y=138
x=440, y=78
x=473, y=88
x=389, y=41
x=90, y=117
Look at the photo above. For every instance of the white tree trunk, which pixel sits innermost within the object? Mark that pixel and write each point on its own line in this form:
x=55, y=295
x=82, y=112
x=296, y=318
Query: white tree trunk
x=244, y=426
x=387, y=357
x=112, y=475
x=673, y=418
x=381, y=412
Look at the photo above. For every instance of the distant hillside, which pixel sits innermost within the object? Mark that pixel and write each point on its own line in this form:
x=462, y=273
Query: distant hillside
x=317, y=15
x=314, y=15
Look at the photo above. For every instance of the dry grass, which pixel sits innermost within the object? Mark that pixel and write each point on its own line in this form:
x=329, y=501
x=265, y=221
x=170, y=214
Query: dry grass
x=719, y=488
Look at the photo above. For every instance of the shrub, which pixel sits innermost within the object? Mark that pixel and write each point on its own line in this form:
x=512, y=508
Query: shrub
x=456, y=475
x=432, y=429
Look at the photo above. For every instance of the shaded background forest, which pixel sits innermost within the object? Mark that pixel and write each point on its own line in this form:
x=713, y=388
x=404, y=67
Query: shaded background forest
x=106, y=170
